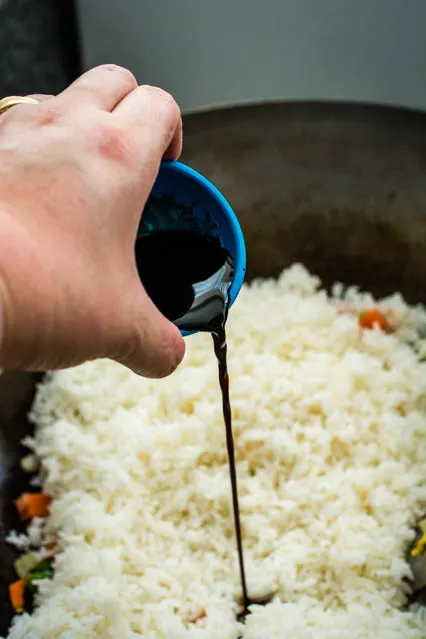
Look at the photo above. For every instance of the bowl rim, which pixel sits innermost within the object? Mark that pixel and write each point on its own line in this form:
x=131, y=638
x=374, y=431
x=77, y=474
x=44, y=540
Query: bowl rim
x=240, y=257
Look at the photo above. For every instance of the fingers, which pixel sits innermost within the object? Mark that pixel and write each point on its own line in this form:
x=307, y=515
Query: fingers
x=174, y=149
x=104, y=86
x=155, y=118
x=156, y=345
x=150, y=113
x=159, y=353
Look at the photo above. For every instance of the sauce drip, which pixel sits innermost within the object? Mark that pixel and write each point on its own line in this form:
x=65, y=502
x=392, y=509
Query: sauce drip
x=220, y=349
x=188, y=276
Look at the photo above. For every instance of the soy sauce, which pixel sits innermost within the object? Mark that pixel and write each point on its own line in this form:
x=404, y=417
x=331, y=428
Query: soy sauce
x=174, y=267
x=188, y=276
x=220, y=349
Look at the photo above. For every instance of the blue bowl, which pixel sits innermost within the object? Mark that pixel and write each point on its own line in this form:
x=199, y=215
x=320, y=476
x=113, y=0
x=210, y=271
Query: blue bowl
x=206, y=210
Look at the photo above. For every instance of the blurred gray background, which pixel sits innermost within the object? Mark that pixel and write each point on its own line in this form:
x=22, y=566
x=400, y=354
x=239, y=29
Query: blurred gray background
x=223, y=52
x=220, y=52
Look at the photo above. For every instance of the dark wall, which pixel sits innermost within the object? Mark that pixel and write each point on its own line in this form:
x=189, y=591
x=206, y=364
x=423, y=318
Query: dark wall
x=38, y=46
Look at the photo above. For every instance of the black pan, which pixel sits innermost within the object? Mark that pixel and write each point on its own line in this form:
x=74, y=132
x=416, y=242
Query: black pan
x=341, y=188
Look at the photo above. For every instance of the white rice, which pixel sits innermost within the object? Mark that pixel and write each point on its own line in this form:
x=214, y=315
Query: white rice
x=330, y=429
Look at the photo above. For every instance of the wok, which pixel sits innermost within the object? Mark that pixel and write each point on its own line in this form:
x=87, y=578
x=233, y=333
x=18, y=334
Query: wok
x=340, y=187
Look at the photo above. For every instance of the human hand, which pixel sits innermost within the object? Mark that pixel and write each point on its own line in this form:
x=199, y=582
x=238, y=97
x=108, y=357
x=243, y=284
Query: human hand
x=75, y=172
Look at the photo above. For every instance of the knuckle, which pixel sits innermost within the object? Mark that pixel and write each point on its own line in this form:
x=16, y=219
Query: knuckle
x=165, y=101
x=167, y=111
x=127, y=75
x=48, y=114
x=116, y=144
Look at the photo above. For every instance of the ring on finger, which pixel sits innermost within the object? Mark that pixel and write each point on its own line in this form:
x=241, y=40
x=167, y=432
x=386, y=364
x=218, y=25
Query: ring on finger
x=13, y=100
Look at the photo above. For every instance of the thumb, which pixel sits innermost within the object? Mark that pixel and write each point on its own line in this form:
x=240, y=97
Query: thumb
x=155, y=347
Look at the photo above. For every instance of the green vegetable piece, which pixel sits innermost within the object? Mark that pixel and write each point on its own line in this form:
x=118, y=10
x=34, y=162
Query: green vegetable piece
x=43, y=570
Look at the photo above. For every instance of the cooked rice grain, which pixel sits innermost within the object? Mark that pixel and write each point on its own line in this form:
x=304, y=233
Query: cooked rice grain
x=330, y=429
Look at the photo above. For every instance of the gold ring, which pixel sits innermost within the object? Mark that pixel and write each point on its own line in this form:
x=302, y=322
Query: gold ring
x=13, y=100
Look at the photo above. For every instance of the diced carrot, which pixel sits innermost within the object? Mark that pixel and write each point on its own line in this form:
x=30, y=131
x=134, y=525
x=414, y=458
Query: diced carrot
x=370, y=319
x=17, y=594
x=31, y=505
x=52, y=546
